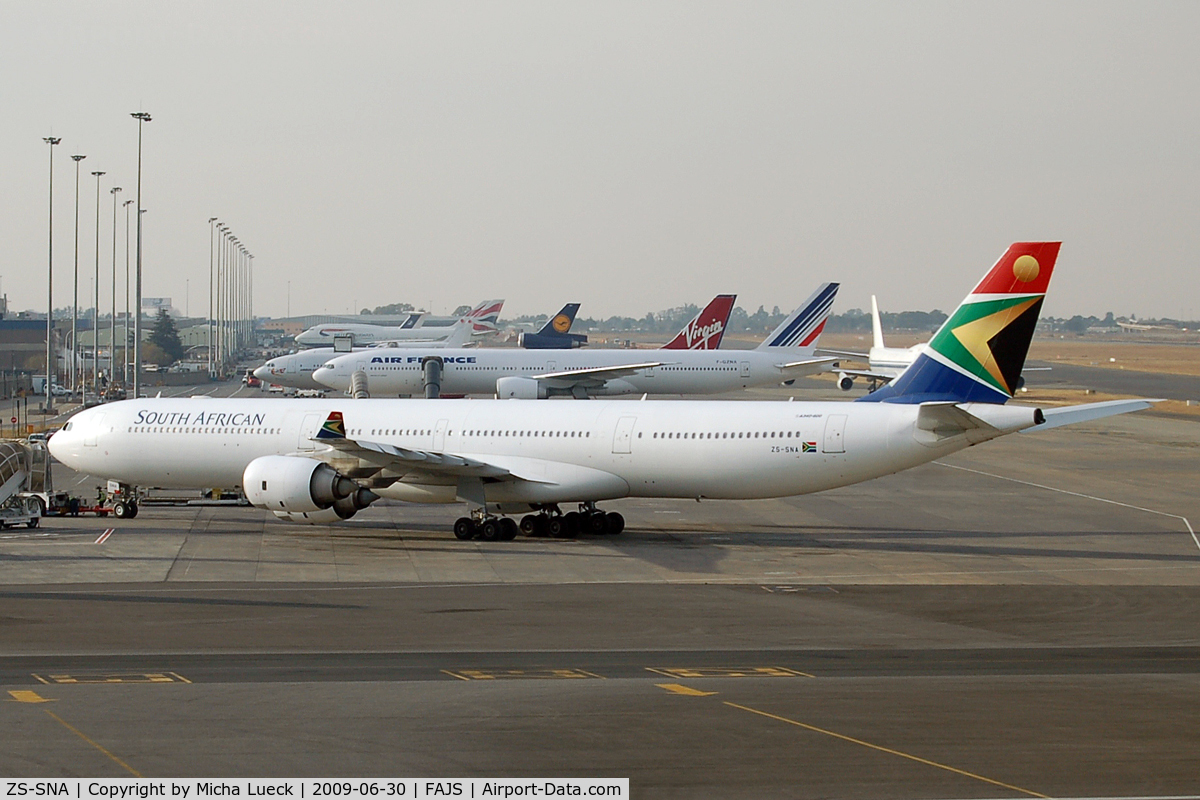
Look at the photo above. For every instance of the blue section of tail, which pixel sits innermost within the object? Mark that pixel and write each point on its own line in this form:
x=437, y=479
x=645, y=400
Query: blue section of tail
x=927, y=380
x=569, y=311
x=805, y=319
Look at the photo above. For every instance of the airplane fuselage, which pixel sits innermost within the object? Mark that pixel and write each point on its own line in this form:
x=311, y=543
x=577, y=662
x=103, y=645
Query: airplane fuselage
x=564, y=451
x=475, y=371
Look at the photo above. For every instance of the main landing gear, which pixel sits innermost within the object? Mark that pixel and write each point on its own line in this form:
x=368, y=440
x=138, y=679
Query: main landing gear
x=486, y=527
x=550, y=521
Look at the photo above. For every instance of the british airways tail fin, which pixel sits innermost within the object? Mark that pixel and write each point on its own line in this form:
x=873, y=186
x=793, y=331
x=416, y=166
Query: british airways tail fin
x=803, y=327
x=978, y=353
x=707, y=328
x=484, y=317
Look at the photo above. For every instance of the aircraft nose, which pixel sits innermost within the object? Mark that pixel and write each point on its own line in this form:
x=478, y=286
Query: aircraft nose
x=323, y=376
x=264, y=372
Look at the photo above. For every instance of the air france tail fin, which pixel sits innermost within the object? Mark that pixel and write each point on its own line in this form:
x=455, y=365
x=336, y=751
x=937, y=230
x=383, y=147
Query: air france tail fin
x=978, y=353
x=707, y=328
x=803, y=327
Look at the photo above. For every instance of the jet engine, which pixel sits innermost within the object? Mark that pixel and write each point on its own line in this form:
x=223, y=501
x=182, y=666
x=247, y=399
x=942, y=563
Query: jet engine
x=845, y=382
x=293, y=486
x=521, y=389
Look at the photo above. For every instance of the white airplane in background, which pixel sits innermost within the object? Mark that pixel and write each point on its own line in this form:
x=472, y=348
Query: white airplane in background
x=318, y=461
x=886, y=363
x=683, y=366
x=296, y=369
x=483, y=318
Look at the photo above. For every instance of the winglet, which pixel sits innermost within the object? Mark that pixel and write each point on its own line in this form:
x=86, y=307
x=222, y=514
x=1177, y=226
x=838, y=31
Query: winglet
x=333, y=427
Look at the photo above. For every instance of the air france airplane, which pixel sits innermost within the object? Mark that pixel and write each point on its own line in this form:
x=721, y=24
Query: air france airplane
x=684, y=366
x=318, y=461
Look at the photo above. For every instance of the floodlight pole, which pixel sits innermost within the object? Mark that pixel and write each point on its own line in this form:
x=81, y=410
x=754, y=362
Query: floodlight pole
x=141, y=117
x=96, y=299
x=112, y=322
x=50, y=140
x=75, y=284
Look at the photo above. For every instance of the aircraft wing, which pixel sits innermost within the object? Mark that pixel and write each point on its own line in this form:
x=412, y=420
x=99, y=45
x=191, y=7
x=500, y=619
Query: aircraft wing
x=825, y=351
x=807, y=365
x=403, y=460
x=866, y=373
x=595, y=374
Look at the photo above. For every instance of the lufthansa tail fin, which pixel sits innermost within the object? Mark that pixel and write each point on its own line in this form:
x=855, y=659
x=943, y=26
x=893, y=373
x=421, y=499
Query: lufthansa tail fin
x=555, y=334
x=561, y=322
x=803, y=327
x=707, y=328
x=978, y=353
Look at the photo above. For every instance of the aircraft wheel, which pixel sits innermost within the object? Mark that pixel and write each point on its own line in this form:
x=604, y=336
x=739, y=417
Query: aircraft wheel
x=572, y=522
x=490, y=530
x=530, y=525
x=614, y=522
x=120, y=510
x=557, y=527
x=596, y=523
x=464, y=528
x=508, y=529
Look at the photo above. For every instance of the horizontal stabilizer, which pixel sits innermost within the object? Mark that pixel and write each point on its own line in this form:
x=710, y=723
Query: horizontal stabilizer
x=1069, y=415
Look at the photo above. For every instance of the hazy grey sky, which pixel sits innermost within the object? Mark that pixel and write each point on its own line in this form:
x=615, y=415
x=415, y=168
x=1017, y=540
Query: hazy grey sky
x=630, y=156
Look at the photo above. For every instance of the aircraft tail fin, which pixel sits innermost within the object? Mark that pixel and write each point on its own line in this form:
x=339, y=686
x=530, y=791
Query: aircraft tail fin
x=561, y=322
x=485, y=316
x=803, y=327
x=978, y=353
x=707, y=328
x=876, y=325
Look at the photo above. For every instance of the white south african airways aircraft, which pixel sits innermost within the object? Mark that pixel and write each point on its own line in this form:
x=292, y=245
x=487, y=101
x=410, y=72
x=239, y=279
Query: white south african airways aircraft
x=322, y=460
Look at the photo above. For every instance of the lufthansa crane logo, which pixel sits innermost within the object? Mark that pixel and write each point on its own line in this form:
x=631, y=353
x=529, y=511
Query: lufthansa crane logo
x=562, y=323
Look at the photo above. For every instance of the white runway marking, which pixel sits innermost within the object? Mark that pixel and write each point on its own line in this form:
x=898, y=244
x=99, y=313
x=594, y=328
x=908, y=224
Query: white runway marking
x=1079, y=494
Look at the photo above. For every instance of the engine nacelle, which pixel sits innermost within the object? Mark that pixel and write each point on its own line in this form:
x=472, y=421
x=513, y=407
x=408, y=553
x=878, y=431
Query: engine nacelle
x=845, y=382
x=521, y=389
x=325, y=517
x=556, y=341
x=297, y=485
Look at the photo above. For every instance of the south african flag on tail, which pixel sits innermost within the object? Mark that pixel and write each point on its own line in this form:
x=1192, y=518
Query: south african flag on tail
x=333, y=427
x=978, y=353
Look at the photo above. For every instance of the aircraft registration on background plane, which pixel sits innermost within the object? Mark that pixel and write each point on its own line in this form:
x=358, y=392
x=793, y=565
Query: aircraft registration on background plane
x=483, y=320
x=684, y=365
x=318, y=461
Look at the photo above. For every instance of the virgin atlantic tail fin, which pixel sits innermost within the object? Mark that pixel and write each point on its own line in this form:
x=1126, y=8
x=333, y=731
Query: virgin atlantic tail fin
x=707, y=328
